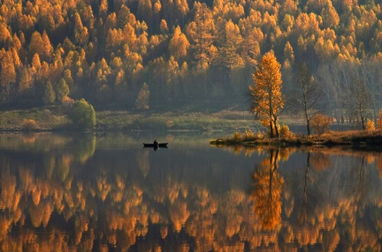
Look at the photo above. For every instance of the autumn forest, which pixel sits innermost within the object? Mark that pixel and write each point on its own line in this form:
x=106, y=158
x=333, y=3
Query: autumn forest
x=162, y=54
x=87, y=85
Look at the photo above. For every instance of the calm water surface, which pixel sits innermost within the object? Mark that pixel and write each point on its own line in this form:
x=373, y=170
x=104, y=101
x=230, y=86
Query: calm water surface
x=107, y=193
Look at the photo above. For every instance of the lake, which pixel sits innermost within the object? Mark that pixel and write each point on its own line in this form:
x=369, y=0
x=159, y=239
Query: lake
x=107, y=193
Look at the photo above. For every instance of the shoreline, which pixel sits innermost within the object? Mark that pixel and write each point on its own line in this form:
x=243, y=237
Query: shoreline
x=353, y=139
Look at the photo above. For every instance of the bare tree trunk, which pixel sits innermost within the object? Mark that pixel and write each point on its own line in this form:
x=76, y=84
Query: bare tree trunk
x=307, y=119
x=271, y=128
x=277, y=130
x=275, y=125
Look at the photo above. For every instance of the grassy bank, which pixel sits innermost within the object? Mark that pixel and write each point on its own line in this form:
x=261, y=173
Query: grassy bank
x=220, y=121
x=354, y=138
x=55, y=118
x=46, y=119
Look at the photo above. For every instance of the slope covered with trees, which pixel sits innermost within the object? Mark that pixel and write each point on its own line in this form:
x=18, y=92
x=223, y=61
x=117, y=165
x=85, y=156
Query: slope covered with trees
x=151, y=54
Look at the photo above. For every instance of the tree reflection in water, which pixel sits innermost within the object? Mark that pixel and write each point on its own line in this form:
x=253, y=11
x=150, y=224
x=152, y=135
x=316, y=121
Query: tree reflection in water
x=266, y=192
x=60, y=192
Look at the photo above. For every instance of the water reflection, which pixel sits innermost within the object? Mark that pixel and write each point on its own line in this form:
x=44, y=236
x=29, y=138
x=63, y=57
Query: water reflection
x=266, y=192
x=107, y=193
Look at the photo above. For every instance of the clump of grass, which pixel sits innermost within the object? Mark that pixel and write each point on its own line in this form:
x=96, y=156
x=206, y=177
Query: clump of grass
x=247, y=135
x=29, y=125
x=47, y=118
x=237, y=136
x=285, y=132
x=251, y=135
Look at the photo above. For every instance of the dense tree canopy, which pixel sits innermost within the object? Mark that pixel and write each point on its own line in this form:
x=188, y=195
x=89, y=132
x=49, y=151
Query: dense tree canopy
x=184, y=50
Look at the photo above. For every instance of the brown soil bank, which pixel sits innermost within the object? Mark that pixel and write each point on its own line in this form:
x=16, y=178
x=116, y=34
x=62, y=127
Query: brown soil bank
x=356, y=139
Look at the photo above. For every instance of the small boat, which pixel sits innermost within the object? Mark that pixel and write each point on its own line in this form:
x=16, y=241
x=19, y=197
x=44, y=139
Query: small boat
x=151, y=145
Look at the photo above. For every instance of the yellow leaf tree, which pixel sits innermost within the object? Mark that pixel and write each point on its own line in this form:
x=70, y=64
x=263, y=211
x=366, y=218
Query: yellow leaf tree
x=266, y=93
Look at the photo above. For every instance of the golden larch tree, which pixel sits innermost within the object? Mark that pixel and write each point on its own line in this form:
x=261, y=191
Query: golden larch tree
x=267, y=100
x=46, y=45
x=4, y=33
x=179, y=44
x=36, y=44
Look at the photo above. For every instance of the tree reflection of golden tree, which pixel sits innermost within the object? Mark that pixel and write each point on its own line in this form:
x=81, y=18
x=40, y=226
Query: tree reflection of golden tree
x=178, y=213
x=267, y=192
x=284, y=153
x=319, y=161
x=114, y=211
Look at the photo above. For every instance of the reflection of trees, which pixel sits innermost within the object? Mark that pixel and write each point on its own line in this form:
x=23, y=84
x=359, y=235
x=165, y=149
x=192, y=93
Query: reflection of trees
x=33, y=142
x=378, y=164
x=143, y=162
x=283, y=153
x=267, y=191
x=58, y=164
x=55, y=153
x=84, y=147
x=360, y=188
x=118, y=209
x=303, y=215
x=309, y=198
x=319, y=161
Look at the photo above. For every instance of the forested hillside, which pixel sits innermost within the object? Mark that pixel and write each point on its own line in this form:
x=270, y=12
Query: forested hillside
x=150, y=54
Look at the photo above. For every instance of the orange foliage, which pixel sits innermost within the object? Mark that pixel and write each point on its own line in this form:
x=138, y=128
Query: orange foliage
x=29, y=124
x=213, y=221
x=267, y=192
x=320, y=123
x=319, y=161
x=221, y=39
x=379, y=120
x=178, y=44
x=266, y=93
x=370, y=126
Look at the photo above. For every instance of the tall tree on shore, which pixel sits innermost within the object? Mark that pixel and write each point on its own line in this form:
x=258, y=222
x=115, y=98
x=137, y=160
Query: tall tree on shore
x=305, y=94
x=267, y=100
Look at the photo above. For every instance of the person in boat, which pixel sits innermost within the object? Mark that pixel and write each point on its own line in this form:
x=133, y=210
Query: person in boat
x=155, y=143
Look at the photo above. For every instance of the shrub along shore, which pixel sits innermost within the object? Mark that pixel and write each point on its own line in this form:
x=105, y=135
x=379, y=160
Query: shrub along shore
x=355, y=138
